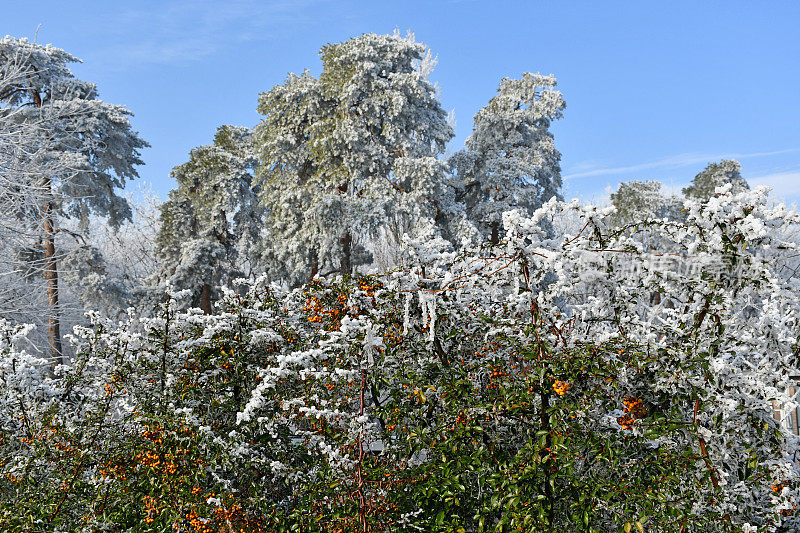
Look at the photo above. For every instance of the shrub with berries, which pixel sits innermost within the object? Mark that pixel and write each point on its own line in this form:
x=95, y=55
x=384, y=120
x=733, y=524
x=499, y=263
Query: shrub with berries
x=579, y=376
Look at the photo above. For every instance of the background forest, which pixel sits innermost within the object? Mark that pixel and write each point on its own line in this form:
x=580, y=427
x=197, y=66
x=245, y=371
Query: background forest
x=332, y=324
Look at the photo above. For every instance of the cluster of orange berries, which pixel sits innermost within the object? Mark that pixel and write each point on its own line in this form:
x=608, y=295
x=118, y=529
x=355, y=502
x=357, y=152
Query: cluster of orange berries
x=111, y=470
x=152, y=509
x=634, y=409
x=314, y=310
x=198, y=524
x=153, y=435
x=393, y=336
x=149, y=458
x=367, y=287
x=777, y=488
x=317, y=312
x=561, y=387
x=497, y=372
x=228, y=513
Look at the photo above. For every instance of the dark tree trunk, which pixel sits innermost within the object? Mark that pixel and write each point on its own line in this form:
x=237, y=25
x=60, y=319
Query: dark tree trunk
x=205, y=299
x=494, y=238
x=655, y=298
x=51, y=277
x=51, y=271
x=346, y=265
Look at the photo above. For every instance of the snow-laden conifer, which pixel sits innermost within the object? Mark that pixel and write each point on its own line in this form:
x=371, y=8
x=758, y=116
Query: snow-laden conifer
x=85, y=149
x=637, y=201
x=209, y=223
x=343, y=153
x=716, y=175
x=510, y=161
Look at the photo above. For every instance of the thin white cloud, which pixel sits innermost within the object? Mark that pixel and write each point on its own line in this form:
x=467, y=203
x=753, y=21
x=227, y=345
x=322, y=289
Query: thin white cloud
x=783, y=184
x=584, y=170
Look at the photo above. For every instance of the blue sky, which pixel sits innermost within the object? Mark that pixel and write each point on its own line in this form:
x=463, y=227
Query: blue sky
x=654, y=90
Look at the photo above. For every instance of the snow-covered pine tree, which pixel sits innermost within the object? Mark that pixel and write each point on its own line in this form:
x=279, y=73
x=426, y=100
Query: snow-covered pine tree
x=342, y=154
x=21, y=154
x=510, y=160
x=89, y=150
x=206, y=218
x=638, y=201
x=716, y=175
x=288, y=172
x=248, y=229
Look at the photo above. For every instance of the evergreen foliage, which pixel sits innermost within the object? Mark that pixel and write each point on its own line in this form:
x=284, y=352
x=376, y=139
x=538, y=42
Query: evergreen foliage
x=80, y=151
x=716, y=175
x=510, y=160
x=343, y=153
x=89, y=141
x=210, y=219
x=642, y=200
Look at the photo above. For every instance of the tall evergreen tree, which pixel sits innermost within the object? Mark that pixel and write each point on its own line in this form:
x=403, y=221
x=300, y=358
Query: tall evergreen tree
x=206, y=218
x=637, y=201
x=716, y=175
x=342, y=154
x=510, y=160
x=87, y=150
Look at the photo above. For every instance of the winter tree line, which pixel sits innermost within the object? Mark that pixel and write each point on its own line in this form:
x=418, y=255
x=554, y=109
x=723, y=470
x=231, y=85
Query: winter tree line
x=333, y=325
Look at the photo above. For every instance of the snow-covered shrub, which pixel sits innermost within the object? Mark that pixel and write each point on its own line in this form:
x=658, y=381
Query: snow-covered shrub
x=613, y=378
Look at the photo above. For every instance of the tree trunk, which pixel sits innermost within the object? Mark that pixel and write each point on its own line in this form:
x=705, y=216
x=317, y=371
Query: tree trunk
x=346, y=265
x=494, y=238
x=51, y=276
x=56, y=355
x=205, y=299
